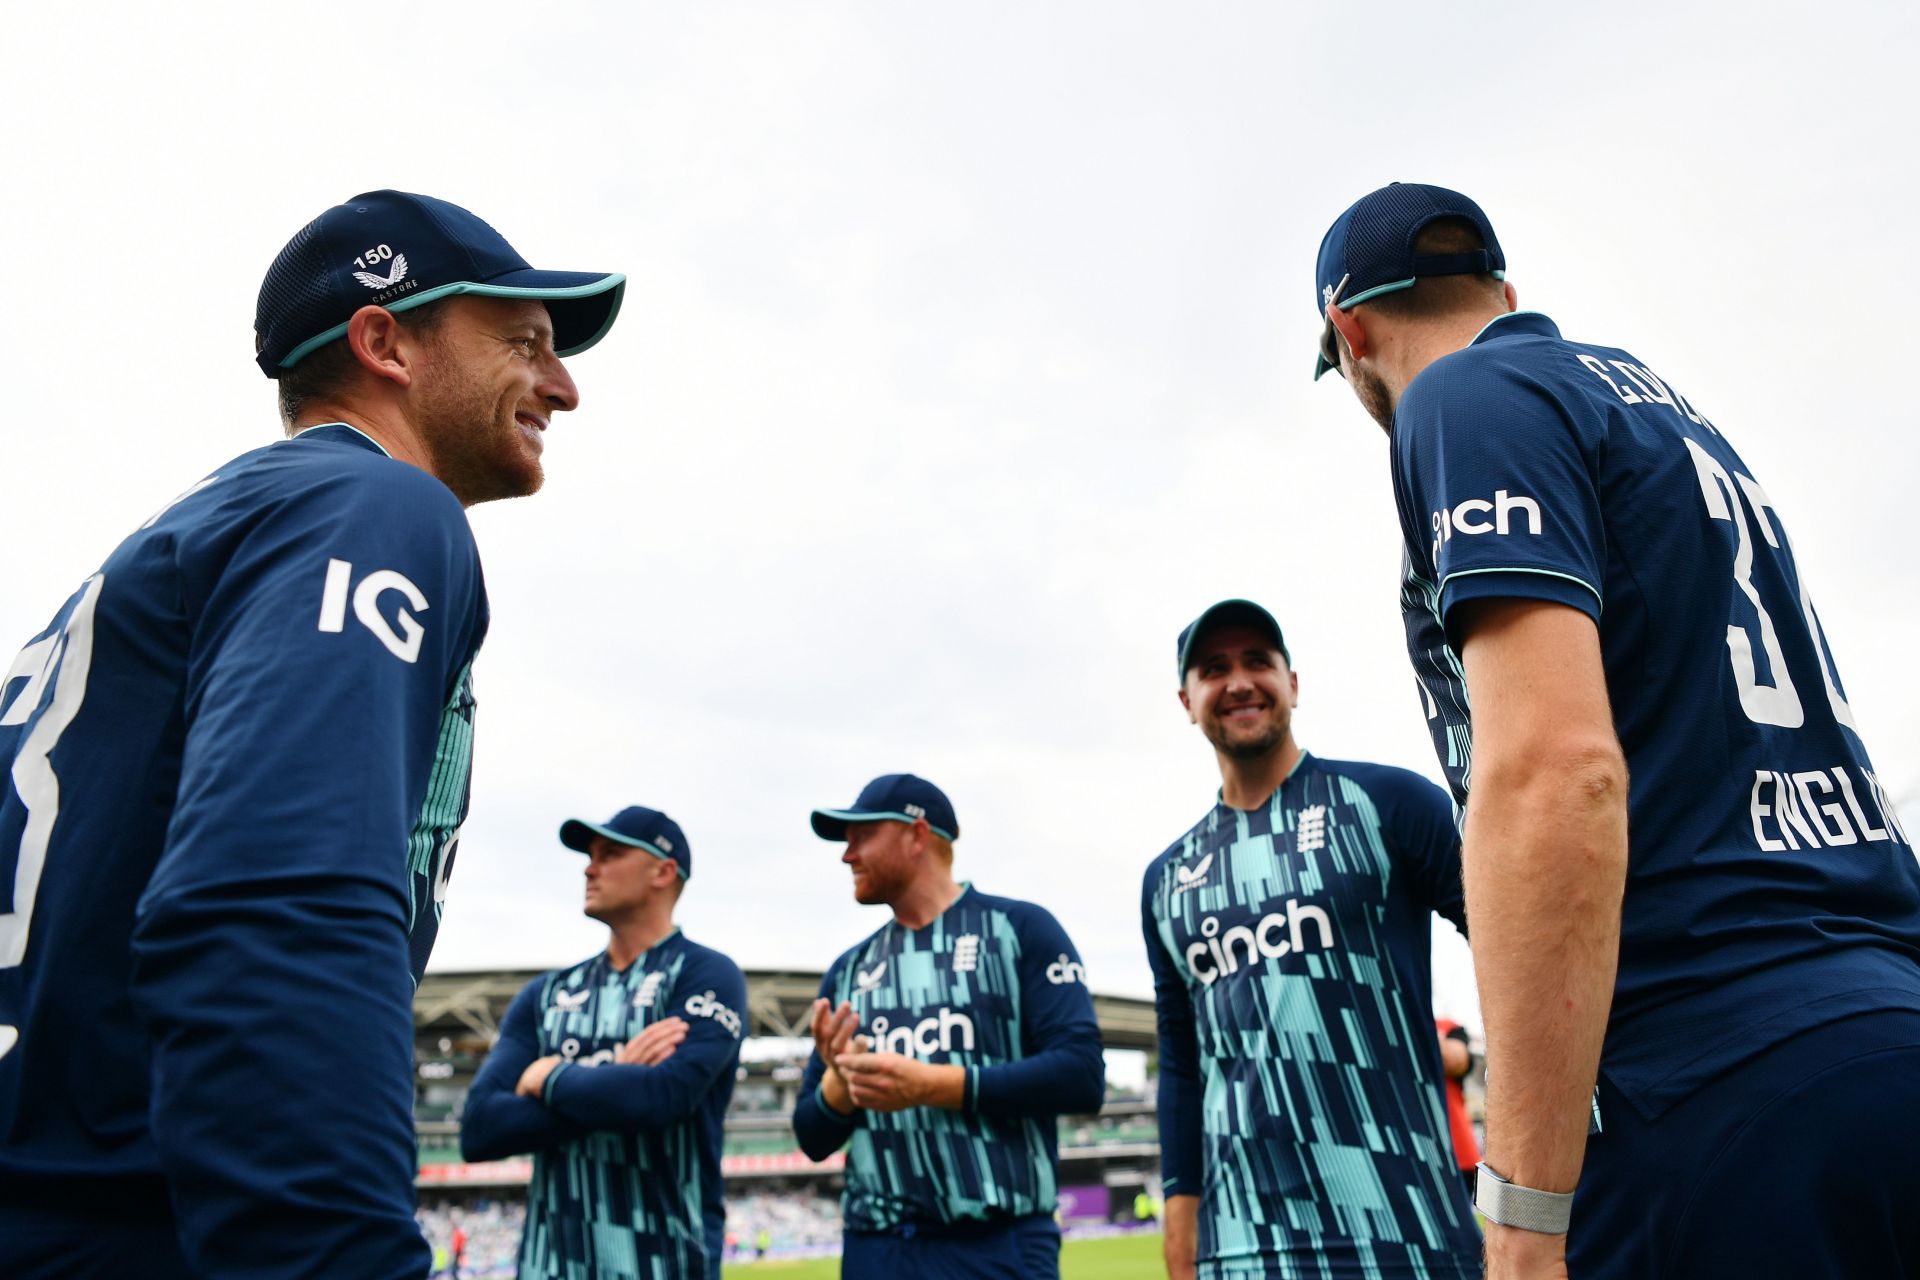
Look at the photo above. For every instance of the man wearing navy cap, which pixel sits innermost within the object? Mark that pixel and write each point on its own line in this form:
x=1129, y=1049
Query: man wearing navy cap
x=1592, y=568
x=616, y=1073
x=235, y=767
x=1289, y=933
x=947, y=1044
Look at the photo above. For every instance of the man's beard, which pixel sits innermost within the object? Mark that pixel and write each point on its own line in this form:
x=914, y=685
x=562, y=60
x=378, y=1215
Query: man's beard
x=1249, y=748
x=476, y=455
x=1374, y=396
x=877, y=889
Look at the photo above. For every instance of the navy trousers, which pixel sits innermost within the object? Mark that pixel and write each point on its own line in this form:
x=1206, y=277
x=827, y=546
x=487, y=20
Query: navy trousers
x=1801, y=1162
x=106, y=1229
x=1019, y=1249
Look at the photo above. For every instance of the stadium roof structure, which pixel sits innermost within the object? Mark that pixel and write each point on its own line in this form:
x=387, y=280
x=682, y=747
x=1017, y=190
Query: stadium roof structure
x=459, y=1005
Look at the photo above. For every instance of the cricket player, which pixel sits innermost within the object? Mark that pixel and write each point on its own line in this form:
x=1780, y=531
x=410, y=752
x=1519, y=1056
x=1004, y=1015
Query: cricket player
x=1598, y=587
x=237, y=764
x=616, y=1073
x=1303, y=1133
x=947, y=1044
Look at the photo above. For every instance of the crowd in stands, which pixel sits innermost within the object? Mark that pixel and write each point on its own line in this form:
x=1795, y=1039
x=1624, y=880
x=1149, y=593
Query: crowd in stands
x=785, y=1224
x=492, y=1236
x=782, y=1224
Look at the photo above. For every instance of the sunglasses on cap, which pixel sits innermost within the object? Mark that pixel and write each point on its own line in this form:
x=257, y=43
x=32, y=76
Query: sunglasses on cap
x=1329, y=336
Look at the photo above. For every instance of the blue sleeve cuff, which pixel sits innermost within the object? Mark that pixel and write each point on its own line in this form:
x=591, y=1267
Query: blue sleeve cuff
x=1516, y=582
x=970, y=1091
x=828, y=1109
x=546, y=1088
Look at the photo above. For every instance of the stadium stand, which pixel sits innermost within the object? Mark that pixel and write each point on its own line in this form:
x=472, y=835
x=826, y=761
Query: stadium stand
x=1106, y=1159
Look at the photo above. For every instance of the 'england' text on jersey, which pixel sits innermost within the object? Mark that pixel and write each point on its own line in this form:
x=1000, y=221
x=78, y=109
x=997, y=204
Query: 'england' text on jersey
x=1820, y=808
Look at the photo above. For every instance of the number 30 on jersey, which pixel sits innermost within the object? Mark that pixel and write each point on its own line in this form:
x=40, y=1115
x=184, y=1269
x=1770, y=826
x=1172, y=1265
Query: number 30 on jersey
x=1777, y=703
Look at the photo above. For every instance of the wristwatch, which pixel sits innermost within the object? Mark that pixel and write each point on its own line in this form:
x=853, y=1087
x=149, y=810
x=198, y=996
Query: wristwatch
x=1512, y=1205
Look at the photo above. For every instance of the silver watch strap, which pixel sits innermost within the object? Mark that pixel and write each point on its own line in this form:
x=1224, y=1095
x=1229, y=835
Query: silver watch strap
x=1512, y=1205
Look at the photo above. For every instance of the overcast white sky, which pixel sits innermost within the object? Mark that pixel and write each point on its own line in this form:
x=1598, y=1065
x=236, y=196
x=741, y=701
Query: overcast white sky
x=965, y=357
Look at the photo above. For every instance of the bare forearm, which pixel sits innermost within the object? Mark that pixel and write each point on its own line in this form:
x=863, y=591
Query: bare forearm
x=946, y=1087
x=1545, y=863
x=1181, y=1241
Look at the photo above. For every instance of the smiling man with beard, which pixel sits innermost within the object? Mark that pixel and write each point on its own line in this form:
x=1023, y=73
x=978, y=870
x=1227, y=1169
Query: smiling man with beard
x=947, y=1045
x=234, y=767
x=1303, y=1131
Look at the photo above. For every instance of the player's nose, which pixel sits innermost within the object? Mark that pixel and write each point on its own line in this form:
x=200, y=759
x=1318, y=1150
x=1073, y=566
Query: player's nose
x=556, y=388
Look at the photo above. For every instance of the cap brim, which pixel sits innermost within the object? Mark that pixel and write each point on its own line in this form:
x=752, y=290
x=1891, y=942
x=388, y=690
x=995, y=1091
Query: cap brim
x=832, y=824
x=1225, y=611
x=578, y=835
x=583, y=304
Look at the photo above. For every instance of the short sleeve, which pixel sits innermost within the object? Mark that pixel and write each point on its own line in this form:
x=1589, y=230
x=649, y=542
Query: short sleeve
x=1494, y=472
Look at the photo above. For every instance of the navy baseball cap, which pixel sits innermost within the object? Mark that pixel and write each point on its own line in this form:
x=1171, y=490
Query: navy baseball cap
x=1368, y=251
x=397, y=250
x=1244, y=611
x=896, y=797
x=639, y=826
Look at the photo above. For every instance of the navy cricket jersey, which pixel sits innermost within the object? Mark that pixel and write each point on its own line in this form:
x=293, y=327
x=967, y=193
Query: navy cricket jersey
x=991, y=984
x=626, y=1180
x=1301, y=1093
x=239, y=759
x=1770, y=887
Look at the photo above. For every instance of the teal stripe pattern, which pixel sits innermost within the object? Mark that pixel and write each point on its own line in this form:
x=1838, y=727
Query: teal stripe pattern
x=436, y=829
x=1442, y=680
x=948, y=993
x=613, y=1205
x=1304, y=952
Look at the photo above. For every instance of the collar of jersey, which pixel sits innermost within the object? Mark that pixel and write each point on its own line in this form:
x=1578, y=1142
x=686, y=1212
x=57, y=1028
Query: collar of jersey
x=966, y=887
x=1514, y=324
x=1220, y=794
x=346, y=433
x=640, y=961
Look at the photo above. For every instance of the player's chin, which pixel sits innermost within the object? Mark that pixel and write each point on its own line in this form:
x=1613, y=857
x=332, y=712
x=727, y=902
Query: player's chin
x=521, y=481
x=523, y=474
x=1248, y=742
x=504, y=473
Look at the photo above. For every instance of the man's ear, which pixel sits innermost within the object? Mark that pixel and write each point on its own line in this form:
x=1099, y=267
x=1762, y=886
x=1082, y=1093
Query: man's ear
x=1513, y=295
x=1187, y=703
x=1351, y=329
x=379, y=345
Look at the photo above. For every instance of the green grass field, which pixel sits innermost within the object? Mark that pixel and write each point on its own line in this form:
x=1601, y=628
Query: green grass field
x=1135, y=1257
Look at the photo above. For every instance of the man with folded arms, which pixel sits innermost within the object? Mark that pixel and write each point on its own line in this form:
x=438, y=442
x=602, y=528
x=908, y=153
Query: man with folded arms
x=616, y=1073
